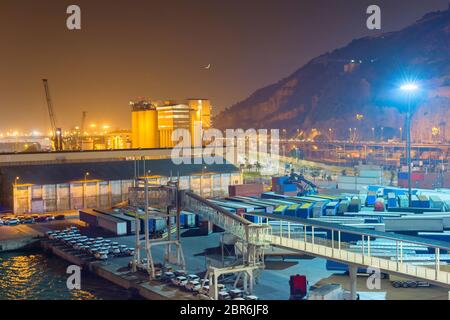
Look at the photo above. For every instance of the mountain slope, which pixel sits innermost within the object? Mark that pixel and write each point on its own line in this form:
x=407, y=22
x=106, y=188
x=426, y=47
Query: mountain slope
x=359, y=79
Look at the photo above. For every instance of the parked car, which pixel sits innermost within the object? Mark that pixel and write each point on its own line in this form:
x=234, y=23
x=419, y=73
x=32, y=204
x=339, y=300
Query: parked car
x=193, y=277
x=60, y=217
x=41, y=219
x=180, y=281
x=236, y=293
x=168, y=276
x=224, y=295
x=180, y=273
x=198, y=287
x=1, y=222
x=101, y=255
x=192, y=284
x=11, y=222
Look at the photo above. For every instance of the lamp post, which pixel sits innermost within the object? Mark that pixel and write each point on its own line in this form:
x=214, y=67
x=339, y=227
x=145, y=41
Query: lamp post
x=84, y=188
x=409, y=89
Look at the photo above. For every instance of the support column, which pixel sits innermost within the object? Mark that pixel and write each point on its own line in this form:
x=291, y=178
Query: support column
x=353, y=270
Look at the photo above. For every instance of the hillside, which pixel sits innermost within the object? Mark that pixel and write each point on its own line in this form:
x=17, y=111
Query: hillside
x=359, y=79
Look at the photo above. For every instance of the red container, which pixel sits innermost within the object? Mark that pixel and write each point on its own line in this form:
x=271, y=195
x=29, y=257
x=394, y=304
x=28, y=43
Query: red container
x=417, y=176
x=246, y=190
x=379, y=205
x=299, y=286
x=402, y=183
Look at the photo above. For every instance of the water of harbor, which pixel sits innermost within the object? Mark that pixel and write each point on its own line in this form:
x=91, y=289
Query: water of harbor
x=37, y=276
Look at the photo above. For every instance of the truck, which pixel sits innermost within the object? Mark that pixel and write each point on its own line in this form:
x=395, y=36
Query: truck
x=399, y=282
x=298, y=287
x=331, y=291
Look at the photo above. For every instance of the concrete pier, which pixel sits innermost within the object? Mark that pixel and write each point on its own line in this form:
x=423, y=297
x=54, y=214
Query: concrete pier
x=116, y=271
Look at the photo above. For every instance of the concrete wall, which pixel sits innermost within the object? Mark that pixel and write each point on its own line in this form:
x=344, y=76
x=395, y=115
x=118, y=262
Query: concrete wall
x=105, y=194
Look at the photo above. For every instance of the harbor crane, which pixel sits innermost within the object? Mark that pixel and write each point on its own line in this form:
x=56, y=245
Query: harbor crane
x=56, y=132
x=81, y=132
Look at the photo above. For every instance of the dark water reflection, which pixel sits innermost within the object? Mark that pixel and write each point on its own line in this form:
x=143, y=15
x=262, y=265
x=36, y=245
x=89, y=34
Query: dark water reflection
x=36, y=276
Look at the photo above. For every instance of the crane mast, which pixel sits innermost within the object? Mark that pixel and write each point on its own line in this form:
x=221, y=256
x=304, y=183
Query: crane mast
x=56, y=132
x=81, y=134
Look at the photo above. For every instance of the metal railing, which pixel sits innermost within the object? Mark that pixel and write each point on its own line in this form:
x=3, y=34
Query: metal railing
x=234, y=224
x=302, y=235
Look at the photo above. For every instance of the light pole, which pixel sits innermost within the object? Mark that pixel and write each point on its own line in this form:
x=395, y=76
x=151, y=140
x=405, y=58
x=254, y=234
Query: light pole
x=84, y=188
x=409, y=89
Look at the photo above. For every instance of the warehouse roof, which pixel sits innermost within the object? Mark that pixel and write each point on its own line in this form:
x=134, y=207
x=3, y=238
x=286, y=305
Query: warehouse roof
x=104, y=170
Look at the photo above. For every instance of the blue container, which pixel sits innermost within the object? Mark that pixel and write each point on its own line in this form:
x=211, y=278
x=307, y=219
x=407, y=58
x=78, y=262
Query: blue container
x=182, y=220
x=288, y=188
x=292, y=211
x=371, y=198
x=337, y=266
x=403, y=175
x=305, y=210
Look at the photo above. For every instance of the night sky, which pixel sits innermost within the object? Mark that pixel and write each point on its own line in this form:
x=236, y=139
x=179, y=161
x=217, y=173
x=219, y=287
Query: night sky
x=158, y=49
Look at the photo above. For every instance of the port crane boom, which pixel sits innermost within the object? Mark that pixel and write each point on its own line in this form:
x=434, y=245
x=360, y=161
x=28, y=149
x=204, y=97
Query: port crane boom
x=56, y=132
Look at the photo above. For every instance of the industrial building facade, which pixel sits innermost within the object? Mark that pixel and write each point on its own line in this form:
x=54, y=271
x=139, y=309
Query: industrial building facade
x=72, y=186
x=153, y=122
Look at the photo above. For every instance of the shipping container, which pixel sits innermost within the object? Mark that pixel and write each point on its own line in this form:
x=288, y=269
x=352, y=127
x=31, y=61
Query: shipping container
x=413, y=224
x=292, y=211
x=281, y=210
x=305, y=210
x=116, y=226
x=318, y=209
x=392, y=200
x=246, y=190
x=343, y=207
x=371, y=198
x=332, y=208
x=355, y=205
x=89, y=217
x=379, y=205
x=436, y=202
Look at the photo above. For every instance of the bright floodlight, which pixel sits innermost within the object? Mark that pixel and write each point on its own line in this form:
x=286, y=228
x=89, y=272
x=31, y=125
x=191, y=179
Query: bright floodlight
x=409, y=87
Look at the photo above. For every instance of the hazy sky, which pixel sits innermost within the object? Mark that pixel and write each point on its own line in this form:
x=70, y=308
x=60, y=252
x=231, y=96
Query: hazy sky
x=158, y=49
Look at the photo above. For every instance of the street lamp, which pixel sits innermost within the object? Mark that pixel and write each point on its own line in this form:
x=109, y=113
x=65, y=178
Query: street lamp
x=84, y=188
x=409, y=89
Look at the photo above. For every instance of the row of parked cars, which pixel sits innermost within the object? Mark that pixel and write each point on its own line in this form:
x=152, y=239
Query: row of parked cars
x=16, y=220
x=99, y=248
x=193, y=283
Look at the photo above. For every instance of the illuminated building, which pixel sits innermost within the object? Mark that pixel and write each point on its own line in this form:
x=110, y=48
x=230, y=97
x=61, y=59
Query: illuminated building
x=153, y=122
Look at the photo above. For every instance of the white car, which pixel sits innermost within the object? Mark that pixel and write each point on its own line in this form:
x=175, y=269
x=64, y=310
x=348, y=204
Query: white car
x=1, y=222
x=101, y=255
x=236, y=293
x=198, y=287
x=223, y=295
x=193, y=277
x=180, y=281
x=192, y=284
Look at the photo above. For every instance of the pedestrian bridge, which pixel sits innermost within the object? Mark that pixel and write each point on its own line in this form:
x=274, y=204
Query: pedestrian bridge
x=301, y=235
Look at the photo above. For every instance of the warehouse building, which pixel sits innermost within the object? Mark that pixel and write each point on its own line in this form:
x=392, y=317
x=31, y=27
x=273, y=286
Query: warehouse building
x=59, y=187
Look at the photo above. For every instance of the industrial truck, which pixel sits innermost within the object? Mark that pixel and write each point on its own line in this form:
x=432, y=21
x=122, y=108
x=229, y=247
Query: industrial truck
x=304, y=186
x=299, y=290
